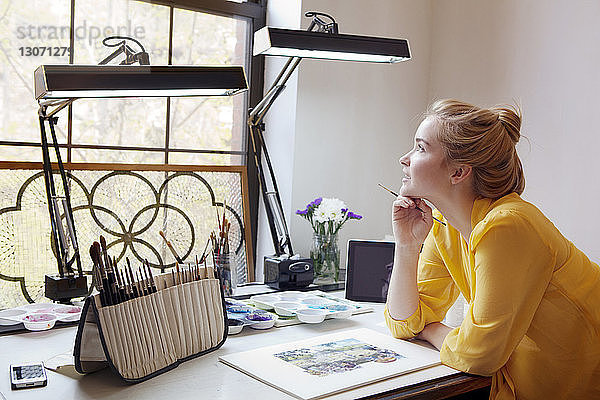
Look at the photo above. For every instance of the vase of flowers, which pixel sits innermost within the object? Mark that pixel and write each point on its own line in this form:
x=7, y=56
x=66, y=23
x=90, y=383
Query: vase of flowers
x=326, y=217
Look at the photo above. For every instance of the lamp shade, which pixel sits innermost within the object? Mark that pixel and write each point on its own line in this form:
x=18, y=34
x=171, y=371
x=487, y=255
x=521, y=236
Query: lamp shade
x=79, y=81
x=309, y=44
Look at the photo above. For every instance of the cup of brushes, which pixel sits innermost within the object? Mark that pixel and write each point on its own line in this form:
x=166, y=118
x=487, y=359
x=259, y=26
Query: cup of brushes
x=221, y=255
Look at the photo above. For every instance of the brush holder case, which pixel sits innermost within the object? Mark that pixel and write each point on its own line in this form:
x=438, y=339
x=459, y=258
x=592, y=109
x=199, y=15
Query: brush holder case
x=146, y=336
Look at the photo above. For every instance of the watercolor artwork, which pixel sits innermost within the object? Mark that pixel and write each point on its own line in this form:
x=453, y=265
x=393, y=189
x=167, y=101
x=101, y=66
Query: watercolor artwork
x=337, y=357
x=334, y=363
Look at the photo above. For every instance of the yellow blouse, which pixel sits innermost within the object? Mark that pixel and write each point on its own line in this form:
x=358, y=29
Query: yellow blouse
x=534, y=303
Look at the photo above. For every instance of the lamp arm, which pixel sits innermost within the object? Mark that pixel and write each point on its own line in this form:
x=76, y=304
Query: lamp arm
x=58, y=236
x=53, y=103
x=68, y=212
x=259, y=111
x=271, y=199
x=279, y=233
x=270, y=192
x=50, y=193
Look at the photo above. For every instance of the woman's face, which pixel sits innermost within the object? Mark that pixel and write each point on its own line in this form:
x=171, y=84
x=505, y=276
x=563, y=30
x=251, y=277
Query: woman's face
x=425, y=168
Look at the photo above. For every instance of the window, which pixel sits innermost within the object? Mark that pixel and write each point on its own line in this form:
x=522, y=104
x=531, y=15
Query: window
x=207, y=131
x=173, y=131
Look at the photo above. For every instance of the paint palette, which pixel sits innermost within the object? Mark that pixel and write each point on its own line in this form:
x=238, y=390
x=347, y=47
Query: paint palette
x=240, y=314
x=40, y=316
x=308, y=307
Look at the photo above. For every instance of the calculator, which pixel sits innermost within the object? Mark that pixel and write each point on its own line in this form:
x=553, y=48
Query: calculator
x=27, y=375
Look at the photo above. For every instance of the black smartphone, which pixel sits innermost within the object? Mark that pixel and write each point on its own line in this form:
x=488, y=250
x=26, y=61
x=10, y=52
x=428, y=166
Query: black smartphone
x=27, y=375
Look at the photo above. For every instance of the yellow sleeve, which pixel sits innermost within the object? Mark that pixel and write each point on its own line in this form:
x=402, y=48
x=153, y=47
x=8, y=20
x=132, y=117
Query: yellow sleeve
x=437, y=293
x=513, y=266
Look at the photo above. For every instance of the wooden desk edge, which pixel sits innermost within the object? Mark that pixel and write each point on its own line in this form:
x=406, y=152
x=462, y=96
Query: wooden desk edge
x=439, y=388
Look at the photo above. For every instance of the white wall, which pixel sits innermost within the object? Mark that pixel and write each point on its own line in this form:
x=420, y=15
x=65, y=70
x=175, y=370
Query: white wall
x=353, y=121
x=280, y=132
x=545, y=55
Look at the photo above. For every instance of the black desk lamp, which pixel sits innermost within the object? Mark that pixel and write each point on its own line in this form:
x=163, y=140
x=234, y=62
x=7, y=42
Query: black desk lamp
x=321, y=40
x=57, y=86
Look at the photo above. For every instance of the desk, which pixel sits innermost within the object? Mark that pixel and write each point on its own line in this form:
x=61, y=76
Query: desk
x=207, y=378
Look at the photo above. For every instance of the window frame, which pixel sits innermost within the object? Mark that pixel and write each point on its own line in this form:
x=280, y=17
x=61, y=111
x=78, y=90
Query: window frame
x=255, y=12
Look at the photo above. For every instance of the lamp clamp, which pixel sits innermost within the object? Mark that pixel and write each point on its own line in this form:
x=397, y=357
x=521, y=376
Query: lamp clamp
x=131, y=57
x=327, y=27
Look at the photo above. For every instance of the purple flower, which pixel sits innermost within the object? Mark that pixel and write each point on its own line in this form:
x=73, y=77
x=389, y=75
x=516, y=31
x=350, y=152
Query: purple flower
x=351, y=215
x=344, y=210
x=317, y=201
x=302, y=212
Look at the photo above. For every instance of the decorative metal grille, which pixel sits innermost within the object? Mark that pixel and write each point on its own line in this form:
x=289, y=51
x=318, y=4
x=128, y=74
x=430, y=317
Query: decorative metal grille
x=127, y=207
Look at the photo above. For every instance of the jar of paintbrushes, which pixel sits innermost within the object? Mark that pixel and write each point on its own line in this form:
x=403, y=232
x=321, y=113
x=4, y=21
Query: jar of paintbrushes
x=227, y=277
x=221, y=256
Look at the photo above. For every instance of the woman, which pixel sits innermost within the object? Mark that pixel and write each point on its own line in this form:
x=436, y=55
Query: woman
x=534, y=299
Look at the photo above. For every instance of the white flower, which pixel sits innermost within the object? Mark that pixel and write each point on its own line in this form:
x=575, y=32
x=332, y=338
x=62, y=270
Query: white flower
x=330, y=210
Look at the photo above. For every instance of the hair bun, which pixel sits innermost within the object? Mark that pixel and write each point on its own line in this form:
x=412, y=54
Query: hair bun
x=485, y=139
x=510, y=117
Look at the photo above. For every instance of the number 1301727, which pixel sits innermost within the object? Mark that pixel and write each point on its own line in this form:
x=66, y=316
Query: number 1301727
x=48, y=51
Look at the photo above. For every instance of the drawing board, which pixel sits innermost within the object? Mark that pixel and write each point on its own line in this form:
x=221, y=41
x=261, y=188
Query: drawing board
x=328, y=364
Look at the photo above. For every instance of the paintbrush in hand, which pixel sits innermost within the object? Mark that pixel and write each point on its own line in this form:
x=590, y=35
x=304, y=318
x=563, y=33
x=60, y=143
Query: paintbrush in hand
x=396, y=194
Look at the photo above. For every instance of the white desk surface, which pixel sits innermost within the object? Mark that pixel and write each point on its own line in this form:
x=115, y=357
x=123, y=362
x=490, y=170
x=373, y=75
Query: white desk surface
x=201, y=378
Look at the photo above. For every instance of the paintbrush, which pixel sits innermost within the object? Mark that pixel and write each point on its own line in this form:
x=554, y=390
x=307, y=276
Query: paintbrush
x=146, y=280
x=97, y=277
x=119, y=288
x=108, y=293
x=226, y=246
x=218, y=217
x=203, y=256
x=127, y=283
x=170, y=246
x=138, y=279
x=121, y=282
x=224, y=224
x=142, y=282
x=152, y=284
x=110, y=275
x=104, y=252
x=134, y=289
x=396, y=194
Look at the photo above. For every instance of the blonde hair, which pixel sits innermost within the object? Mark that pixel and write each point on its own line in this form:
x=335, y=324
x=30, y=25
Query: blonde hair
x=485, y=139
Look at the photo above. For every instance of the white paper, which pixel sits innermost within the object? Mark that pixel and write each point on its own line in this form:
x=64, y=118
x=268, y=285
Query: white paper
x=324, y=365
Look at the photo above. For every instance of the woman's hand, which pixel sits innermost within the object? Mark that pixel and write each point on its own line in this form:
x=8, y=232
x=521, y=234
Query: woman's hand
x=435, y=333
x=410, y=225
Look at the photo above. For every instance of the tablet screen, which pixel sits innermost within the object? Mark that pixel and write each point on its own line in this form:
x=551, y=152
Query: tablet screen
x=369, y=268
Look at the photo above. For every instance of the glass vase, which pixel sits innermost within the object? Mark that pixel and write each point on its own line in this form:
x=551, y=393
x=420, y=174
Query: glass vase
x=325, y=254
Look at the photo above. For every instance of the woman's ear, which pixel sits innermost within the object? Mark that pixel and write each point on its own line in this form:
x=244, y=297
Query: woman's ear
x=460, y=173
